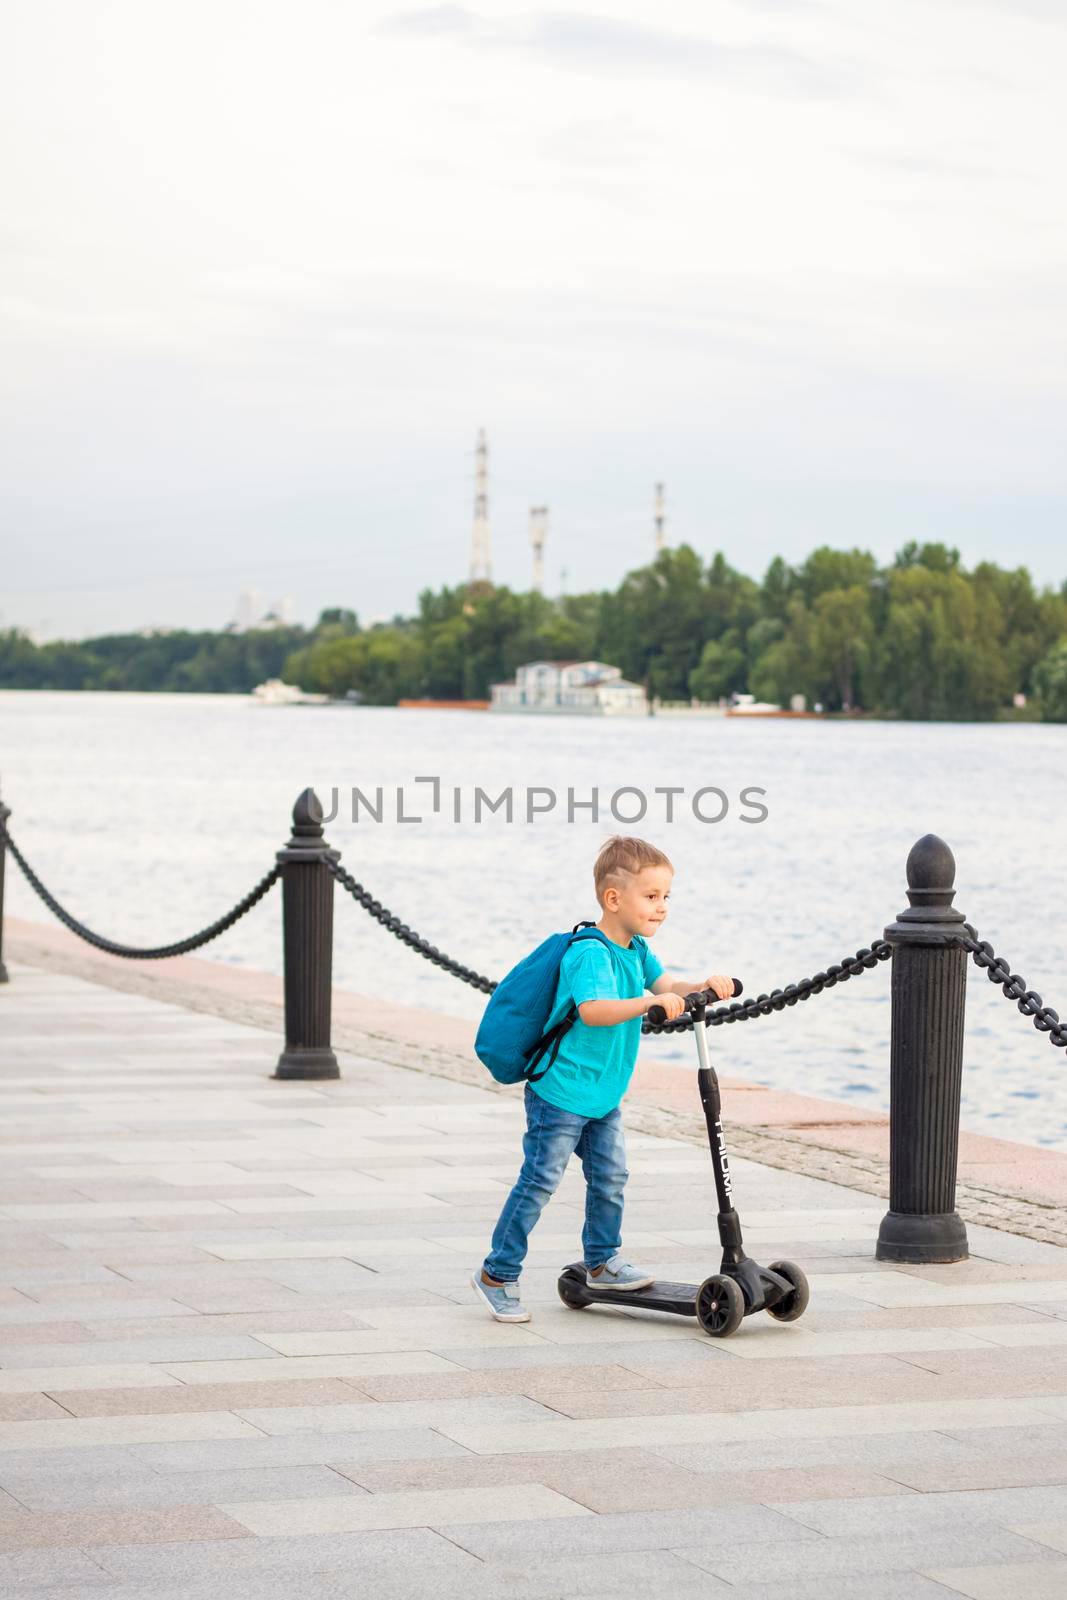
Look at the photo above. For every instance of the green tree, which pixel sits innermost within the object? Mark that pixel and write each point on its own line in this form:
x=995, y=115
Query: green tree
x=721, y=668
x=383, y=664
x=843, y=636
x=934, y=557
x=501, y=626
x=1051, y=683
x=924, y=638
x=655, y=624
x=939, y=657
x=444, y=647
x=337, y=622
x=1031, y=623
x=828, y=569
x=733, y=599
x=787, y=665
x=777, y=589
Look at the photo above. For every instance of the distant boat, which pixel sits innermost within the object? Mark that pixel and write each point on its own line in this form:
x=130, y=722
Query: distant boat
x=746, y=705
x=274, y=692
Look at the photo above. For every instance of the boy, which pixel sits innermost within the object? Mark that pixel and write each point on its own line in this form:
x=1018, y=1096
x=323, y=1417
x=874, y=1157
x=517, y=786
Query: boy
x=574, y=1108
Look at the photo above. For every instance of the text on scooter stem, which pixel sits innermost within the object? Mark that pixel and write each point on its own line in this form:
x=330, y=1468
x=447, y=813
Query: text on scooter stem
x=724, y=1160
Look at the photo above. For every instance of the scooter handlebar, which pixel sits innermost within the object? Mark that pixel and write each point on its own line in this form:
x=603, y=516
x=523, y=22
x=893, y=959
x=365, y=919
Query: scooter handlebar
x=706, y=997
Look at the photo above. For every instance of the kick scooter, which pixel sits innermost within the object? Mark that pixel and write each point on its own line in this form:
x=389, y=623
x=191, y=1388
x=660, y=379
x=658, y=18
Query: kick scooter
x=741, y=1286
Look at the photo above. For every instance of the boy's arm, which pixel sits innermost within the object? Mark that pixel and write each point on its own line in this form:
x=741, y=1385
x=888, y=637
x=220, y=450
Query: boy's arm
x=609, y=1013
x=665, y=984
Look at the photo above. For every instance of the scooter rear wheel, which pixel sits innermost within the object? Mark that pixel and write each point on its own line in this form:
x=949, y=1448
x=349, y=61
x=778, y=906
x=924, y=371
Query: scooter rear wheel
x=720, y=1306
x=794, y=1305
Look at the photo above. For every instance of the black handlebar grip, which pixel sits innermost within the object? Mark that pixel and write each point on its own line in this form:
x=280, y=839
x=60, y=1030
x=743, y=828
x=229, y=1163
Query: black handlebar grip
x=657, y=1015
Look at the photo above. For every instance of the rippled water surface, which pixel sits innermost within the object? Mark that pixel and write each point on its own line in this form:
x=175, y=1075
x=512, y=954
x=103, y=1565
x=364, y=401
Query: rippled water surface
x=149, y=815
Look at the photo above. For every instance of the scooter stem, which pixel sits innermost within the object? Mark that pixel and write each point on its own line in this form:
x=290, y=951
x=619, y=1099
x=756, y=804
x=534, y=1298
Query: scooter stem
x=711, y=1100
x=700, y=1033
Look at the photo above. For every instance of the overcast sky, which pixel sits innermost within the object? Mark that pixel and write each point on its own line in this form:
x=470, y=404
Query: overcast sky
x=267, y=268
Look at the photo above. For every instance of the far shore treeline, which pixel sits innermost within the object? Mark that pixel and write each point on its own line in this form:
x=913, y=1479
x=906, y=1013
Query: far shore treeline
x=922, y=638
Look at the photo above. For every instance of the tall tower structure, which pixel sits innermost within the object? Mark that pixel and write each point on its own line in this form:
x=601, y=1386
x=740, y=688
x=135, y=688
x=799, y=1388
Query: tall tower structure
x=480, y=560
x=660, y=520
x=538, y=532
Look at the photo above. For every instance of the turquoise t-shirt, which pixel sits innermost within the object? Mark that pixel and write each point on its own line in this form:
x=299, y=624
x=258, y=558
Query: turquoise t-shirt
x=594, y=1066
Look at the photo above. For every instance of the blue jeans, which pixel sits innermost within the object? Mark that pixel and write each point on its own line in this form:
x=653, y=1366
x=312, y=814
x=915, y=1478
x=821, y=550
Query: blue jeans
x=552, y=1137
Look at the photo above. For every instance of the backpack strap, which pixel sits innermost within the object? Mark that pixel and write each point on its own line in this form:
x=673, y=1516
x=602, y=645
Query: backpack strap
x=548, y=1043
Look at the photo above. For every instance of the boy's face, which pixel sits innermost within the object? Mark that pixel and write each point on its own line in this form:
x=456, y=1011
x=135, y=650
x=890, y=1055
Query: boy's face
x=641, y=902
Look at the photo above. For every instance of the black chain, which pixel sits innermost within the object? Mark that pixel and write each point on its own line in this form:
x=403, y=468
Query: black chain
x=1029, y=1002
x=1045, y=1020
x=182, y=947
x=737, y=1011
x=763, y=1004
x=406, y=935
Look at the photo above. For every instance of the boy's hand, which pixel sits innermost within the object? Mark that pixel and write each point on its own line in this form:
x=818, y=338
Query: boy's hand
x=722, y=987
x=673, y=1004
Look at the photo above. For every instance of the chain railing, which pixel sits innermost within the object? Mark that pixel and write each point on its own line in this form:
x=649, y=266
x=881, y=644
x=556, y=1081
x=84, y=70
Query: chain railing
x=181, y=947
x=929, y=943
x=737, y=1011
x=400, y=930
x=1014, y=987
x=1029, y=1002
x=762, y=1005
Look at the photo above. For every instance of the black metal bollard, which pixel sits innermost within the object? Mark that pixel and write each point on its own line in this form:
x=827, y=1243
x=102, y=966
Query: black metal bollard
x=307, y=923
x=928, y=997
x=5, y=812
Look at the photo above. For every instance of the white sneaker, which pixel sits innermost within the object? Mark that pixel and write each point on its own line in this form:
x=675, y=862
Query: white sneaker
x=501, y=1298
x=618, y=1274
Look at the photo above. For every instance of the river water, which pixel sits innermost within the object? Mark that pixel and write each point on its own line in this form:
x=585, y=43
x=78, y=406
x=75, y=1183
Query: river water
x=149, y=815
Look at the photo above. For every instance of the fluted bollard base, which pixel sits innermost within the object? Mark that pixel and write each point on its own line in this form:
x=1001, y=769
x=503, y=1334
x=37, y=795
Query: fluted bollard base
x=307, y=923
x=928, y=996
x=922, y=1237
x=310, y=1063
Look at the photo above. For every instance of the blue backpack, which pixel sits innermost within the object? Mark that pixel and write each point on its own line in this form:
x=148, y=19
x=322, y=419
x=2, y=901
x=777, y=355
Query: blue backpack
x=512, y=1039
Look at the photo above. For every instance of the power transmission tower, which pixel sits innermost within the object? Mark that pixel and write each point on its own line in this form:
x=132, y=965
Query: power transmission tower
x=538, y=533
x=480, y=561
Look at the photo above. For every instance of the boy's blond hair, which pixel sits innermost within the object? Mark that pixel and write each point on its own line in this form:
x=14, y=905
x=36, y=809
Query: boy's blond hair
x=622, y=857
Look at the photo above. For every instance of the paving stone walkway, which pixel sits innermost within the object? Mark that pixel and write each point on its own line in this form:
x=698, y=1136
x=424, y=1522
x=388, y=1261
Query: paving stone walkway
x=239, y=1355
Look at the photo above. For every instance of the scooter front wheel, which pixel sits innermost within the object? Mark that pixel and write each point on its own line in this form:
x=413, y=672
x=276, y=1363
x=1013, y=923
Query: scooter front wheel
x=720, y=1306
x=795, y=1303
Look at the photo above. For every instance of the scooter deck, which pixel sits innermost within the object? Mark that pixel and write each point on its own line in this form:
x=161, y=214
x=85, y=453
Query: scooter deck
x=679, y=1298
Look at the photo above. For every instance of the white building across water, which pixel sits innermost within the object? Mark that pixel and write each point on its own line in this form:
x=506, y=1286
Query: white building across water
x=576, y=688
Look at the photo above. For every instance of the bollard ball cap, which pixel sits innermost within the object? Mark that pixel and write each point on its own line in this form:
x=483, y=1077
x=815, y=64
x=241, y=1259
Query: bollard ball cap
x=308, y=842
x=930, y=917
x=931, y=865
x=308, y=812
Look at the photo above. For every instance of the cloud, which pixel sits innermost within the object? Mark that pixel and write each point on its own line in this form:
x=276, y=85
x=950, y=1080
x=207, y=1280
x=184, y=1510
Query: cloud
x=580, y=40
x=434, y=22
x=923, y=164
x=1032, y=10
